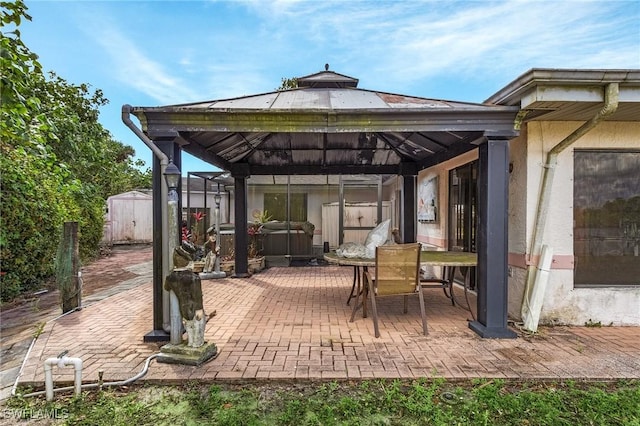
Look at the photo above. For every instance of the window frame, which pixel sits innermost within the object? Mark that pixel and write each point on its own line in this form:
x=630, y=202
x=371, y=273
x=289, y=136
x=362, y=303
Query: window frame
x=577, y=238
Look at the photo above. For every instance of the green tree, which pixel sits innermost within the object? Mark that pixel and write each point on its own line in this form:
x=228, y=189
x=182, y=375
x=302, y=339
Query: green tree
x=57, y=162
x=288, y=83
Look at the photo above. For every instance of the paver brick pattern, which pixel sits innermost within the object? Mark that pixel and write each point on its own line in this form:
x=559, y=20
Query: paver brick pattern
x=293, y=324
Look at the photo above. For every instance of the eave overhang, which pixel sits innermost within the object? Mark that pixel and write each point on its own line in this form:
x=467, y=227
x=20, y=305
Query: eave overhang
x=570, y=94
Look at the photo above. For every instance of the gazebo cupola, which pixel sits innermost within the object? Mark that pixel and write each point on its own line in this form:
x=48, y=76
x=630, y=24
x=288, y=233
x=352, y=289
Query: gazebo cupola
x=327, y=80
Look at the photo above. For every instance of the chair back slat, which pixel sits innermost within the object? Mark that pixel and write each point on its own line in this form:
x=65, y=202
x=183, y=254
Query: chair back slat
x=397, y=269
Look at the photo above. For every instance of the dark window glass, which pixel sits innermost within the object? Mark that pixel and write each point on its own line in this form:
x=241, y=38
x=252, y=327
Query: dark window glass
x=462, y=207
x=463, y=219
x=276, y=204
x=606, y=217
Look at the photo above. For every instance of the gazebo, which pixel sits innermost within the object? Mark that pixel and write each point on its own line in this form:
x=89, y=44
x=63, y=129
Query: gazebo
x=327, y=125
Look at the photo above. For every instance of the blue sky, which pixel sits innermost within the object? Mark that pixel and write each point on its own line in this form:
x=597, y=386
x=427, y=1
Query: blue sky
x=152, y=53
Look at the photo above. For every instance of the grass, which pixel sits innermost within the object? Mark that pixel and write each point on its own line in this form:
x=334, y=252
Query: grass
x=373, y=402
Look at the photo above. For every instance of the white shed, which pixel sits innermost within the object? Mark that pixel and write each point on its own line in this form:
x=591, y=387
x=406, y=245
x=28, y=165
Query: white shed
x=129, y=218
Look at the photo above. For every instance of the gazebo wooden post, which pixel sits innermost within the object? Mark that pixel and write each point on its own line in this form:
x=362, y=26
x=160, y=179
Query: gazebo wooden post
x=409, y=172
x=492, y=243
x=160, y=299
x=240, y=174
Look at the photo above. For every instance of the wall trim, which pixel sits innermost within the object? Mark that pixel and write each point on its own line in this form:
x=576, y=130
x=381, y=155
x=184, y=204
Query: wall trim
x=432, y=241
x=559, y=261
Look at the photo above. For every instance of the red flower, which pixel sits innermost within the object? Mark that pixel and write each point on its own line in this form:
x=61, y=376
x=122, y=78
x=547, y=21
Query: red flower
x=198, y=216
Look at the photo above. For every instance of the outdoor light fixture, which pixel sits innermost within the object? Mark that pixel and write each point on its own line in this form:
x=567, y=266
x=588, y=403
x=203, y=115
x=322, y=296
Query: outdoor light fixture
x=172, y=176
x=217, y=179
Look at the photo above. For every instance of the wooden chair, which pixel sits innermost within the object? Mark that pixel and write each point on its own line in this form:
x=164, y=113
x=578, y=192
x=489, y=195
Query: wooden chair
x=397, y=273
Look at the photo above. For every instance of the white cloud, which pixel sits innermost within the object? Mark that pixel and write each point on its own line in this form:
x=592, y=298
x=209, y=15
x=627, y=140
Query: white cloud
x=393, y=45
x=135, y=69
x=417, y=40
x=504, y=36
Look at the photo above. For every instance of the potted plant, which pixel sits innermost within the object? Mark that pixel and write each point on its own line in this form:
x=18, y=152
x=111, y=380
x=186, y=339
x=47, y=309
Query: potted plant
x=256, y=261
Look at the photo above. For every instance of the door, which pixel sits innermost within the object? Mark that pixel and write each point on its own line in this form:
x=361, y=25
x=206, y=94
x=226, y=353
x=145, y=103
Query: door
x=463, y=207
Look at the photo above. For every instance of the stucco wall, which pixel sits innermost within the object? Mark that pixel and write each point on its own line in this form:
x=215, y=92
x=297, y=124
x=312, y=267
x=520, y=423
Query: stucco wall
x=435, y=234
x=562, y=302
x=518, y=220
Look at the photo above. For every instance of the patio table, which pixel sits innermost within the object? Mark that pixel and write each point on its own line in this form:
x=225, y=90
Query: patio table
x=449, y=260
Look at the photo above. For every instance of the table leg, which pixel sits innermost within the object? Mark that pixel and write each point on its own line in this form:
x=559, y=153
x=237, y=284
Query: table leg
x=360, y=290
x=446, y=283
x=356, y=280
x=364, y=291
x=451, y=273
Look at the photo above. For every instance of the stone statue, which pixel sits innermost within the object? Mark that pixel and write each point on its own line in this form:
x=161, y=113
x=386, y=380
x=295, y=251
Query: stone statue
x=188, y=288
x=212, y=250
x=181, y=258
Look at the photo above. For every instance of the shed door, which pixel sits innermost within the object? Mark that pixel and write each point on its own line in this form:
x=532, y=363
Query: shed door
x=132, y=221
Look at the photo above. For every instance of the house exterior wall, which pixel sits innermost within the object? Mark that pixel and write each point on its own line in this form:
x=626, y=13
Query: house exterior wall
x=433, y=236
x=562, y=302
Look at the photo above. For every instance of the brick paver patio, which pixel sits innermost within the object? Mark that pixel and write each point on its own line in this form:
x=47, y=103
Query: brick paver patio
x=293, y=323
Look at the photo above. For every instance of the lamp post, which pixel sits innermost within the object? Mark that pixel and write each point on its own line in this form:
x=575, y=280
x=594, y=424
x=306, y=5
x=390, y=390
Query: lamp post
x=172, y=176
x=216, y=199
x=208, y=274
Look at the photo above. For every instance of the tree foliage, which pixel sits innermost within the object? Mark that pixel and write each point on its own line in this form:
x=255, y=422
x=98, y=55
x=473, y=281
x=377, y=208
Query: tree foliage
x=288, y=83
x=57, y=162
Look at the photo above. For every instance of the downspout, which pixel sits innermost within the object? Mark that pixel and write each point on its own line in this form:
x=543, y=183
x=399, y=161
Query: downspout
x=164, y=161
x=611, y=98
x=126, y=112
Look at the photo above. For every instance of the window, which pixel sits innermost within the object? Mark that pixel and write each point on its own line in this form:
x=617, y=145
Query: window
x=276, y=204
x=606, y=213
x=463, y=205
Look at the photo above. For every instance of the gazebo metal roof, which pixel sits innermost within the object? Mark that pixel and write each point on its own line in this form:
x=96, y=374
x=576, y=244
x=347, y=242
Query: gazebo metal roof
x=327, y=126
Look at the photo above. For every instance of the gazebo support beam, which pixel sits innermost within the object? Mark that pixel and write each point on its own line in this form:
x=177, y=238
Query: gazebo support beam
x=492, y=244
x=240, y=175
x=409, y=208
x=160, y=262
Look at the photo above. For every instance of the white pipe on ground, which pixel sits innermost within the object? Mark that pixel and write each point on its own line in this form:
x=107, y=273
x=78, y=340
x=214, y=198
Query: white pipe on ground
x=100, y=384
x=61, y=363
x=33, y=342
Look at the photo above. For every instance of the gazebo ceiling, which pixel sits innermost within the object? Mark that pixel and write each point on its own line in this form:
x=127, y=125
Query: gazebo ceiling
x=327, y=126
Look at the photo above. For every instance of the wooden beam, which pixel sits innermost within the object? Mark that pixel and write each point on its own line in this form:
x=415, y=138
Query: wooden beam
x=492, y=242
